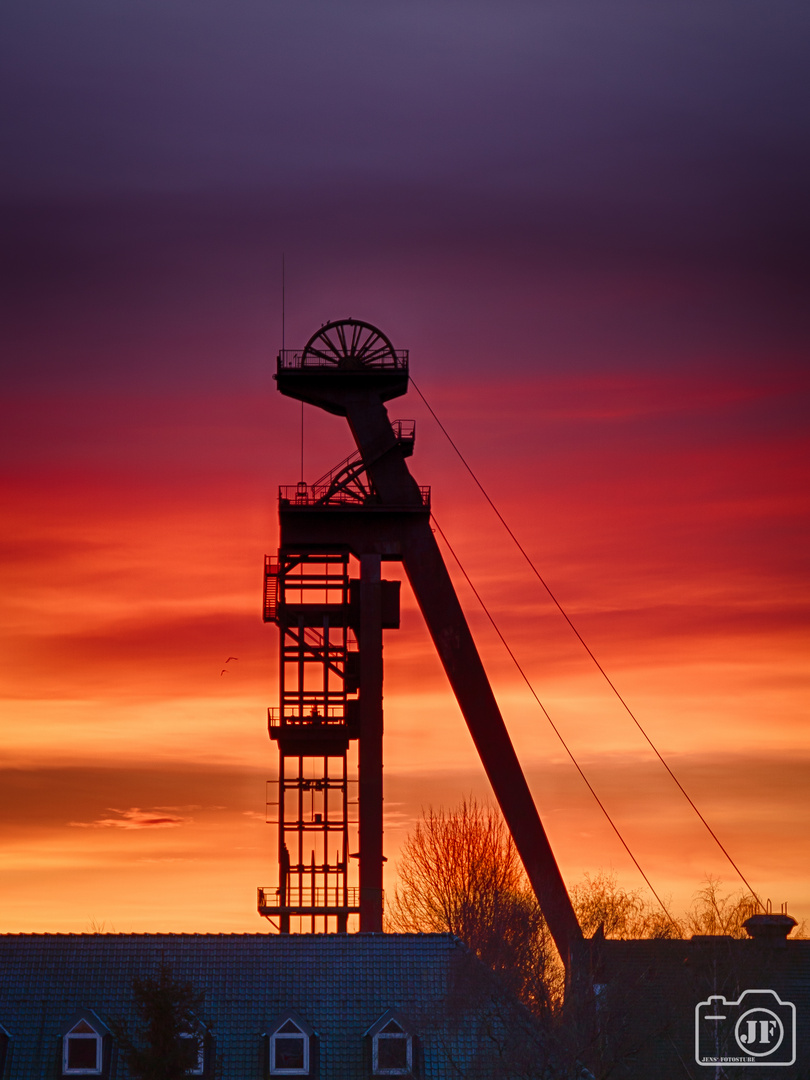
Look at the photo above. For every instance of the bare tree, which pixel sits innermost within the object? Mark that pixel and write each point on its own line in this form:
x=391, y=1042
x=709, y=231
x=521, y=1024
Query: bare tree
x=460, y=872
x=714, y=913
x=600, y=902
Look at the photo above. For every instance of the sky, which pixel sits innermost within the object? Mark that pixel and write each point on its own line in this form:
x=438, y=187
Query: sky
x=589, y=225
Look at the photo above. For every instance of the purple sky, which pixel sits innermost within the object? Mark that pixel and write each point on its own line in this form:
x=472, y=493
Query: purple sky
x=566, y=183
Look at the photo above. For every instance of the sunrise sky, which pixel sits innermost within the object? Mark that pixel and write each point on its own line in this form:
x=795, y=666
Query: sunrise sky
x=589, y=225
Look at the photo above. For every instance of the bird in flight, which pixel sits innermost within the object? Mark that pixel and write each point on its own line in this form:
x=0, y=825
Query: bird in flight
x=223, y=672
x=231, y=658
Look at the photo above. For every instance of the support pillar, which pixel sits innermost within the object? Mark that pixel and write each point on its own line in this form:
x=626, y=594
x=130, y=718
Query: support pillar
x=371, y=745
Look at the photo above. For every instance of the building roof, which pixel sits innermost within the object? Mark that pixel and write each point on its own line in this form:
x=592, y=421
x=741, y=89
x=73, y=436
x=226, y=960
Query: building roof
x=338, y=984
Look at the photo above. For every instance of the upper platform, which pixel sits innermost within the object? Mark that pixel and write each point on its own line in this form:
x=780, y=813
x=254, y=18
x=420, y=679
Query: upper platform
x=341, y=361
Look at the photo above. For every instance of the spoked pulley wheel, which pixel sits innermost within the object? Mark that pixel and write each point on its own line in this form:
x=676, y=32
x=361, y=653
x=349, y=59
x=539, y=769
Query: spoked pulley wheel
x=349, y=344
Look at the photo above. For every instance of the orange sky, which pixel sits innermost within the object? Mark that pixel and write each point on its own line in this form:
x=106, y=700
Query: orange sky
x=589, y=225
x=134, y=771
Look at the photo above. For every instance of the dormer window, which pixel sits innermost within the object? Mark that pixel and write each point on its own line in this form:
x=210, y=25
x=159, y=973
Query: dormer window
x=290, y=1050
x=392, y=1051
x=4, y=1039
x=289, y=1047
x=86, y=1046
x=392, y=1046
x=81, y=1051
x=194, y=1053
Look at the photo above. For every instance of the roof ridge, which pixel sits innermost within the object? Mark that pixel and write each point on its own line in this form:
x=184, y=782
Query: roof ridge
x=218, y=935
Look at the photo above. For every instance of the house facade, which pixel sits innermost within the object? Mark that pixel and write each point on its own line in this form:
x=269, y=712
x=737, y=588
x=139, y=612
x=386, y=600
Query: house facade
x=703, y=1008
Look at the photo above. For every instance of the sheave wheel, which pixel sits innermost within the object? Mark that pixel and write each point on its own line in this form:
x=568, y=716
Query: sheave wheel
x=349, y=344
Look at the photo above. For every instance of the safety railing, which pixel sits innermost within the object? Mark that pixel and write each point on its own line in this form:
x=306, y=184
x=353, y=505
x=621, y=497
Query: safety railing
x=292, y=359
x=271, y=575
x=306, y=897
x=332, y=714
x=313, y=495
x=405, y=430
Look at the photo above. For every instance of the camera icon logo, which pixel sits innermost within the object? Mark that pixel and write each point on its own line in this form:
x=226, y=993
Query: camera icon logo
x=756, y=1029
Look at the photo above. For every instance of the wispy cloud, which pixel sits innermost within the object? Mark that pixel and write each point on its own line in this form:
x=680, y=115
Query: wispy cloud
x=134, y=818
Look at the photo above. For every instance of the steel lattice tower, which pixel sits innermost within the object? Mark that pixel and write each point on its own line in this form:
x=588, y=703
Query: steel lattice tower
x=329, y=723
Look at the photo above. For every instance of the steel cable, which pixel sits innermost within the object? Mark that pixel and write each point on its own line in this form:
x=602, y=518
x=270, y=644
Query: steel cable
x=554, y=727
x=587, y=649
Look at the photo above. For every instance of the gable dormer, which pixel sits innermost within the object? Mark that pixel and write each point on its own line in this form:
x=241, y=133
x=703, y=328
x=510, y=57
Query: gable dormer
x=292, y=1047
x=199, y=1048
x=393, y=1046
x=86, y=1046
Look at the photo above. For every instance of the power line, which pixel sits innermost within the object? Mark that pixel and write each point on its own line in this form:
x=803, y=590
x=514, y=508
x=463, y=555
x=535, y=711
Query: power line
x=585, y=646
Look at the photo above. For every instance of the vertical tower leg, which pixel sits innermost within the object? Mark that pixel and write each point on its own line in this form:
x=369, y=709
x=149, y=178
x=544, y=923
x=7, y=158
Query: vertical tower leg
x=283, y=854
x=370, y=745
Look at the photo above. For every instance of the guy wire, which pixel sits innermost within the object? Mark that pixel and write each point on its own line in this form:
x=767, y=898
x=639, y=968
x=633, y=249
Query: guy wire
x=554, y=727
x=582, y=642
